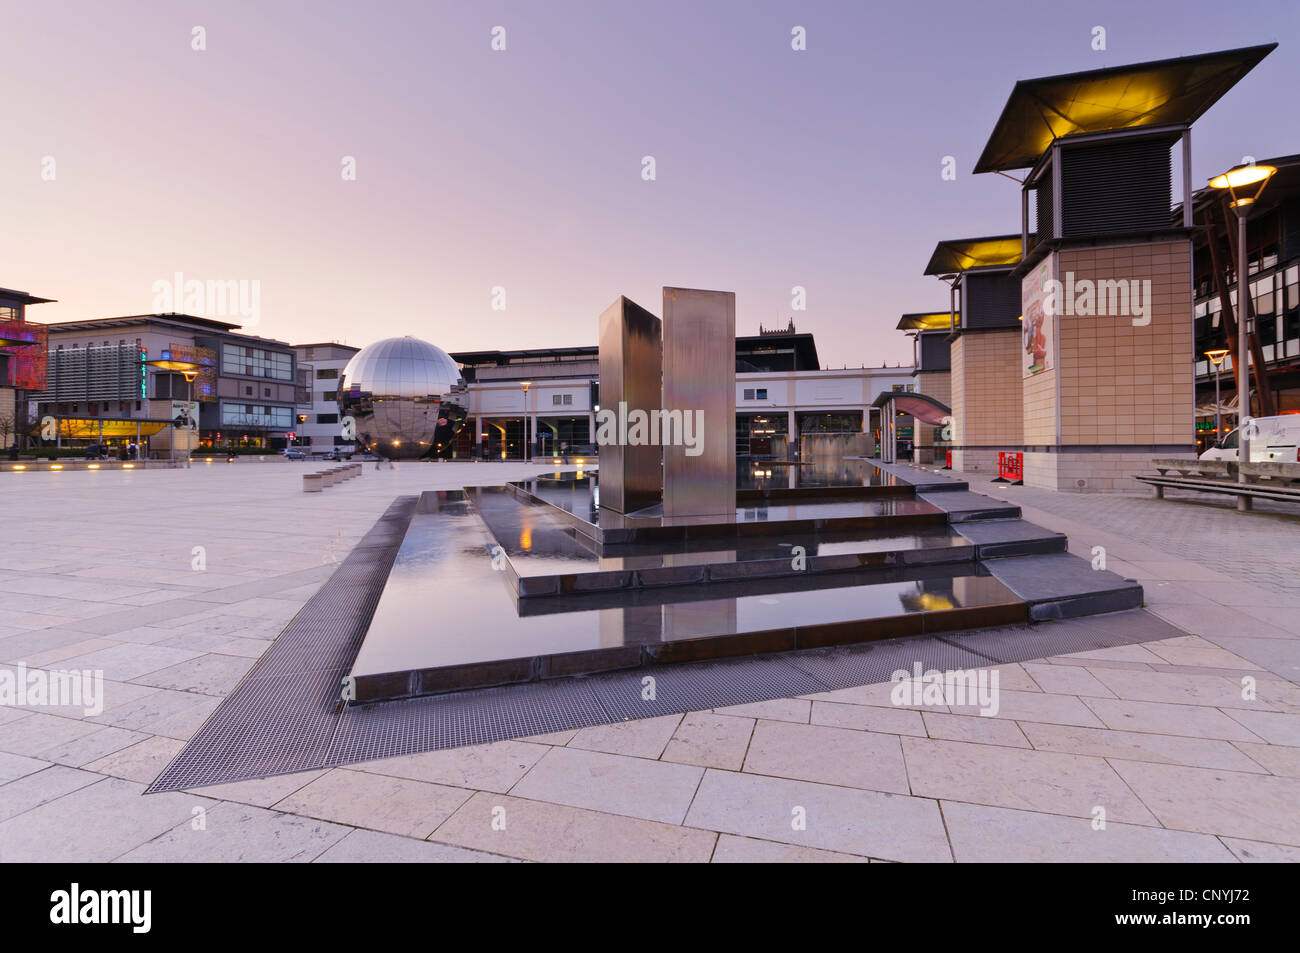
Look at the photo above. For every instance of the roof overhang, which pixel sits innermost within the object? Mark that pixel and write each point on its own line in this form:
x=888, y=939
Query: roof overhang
x=967, y=254
x=22, y=297
x=1175, y=91
x=928, y=321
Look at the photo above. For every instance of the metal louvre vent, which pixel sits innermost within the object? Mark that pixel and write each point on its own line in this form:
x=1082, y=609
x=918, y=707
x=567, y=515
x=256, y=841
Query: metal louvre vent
x=1117, y=187
x=1043, y=205
x=94, y=373
x=992, y=301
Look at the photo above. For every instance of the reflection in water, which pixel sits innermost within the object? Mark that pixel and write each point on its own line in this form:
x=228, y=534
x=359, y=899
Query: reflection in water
x=821, y=471
x=445, y=559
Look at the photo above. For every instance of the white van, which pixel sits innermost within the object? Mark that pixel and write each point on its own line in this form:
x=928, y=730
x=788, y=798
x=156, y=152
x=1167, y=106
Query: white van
x=1273, y=440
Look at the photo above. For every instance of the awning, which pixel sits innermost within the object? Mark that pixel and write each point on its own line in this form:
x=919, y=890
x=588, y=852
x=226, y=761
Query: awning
x=963, y=254
x=928, y=321
x=1159, y=93
x=78, y=428
x=923, y=408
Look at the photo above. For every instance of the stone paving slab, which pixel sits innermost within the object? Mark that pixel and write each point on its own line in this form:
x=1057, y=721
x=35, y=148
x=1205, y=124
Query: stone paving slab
x=1159, y=727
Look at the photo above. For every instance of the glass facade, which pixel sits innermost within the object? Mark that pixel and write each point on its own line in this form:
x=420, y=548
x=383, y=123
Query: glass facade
x=257, y=416
x=256, y=362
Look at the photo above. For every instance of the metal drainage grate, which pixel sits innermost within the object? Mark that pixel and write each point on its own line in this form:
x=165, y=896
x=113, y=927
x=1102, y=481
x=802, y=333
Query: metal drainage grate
x=701, y=685
x=877, y=662
x=388, y=729
x=1021, y=643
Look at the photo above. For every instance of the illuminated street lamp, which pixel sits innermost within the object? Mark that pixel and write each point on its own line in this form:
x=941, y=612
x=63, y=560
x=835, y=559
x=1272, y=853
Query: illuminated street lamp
x=1245, y=184
x=189, y=370
x=1216, y=358
x=527, y=449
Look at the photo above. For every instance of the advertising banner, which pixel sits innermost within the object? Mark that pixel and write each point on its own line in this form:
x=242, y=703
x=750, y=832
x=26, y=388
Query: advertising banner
x=1038, y=323
x=188, y=409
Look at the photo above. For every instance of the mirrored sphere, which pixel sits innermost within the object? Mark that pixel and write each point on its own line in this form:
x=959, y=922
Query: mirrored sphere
x=406, y=398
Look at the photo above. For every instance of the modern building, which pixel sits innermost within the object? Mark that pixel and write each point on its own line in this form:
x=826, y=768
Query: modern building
x=985, y=393
x=1273, y=267
x=930, y=332
x=546, y=399
x=22, y=363
x=318, y=426
x=1107, y=353
x=100, y=387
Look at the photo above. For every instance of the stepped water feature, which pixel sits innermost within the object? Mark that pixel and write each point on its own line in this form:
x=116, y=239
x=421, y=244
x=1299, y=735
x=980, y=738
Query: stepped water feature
x=674, y=552
x=554, y=585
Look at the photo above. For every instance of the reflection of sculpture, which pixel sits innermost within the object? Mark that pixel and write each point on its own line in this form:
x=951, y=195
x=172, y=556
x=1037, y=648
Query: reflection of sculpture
x=405, y=396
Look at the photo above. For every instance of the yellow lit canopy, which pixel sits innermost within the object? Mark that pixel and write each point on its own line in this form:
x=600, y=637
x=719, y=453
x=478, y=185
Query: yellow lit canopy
x=963, y=254
x=1163, y=92
x=88, y=427
x=927, y=321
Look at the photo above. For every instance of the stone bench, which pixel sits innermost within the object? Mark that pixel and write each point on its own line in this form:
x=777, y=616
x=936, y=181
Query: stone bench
x=315, y=482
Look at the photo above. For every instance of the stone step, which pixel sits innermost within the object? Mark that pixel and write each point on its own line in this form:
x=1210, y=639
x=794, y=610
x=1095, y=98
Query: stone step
x=1063, y=586
x=963, y=505
x=1010, y=537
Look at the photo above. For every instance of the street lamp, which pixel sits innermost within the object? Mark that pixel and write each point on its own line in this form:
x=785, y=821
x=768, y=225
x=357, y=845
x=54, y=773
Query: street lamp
x=526, y=452
x=1216, y=358
x=189, y=370
x=1245, y=184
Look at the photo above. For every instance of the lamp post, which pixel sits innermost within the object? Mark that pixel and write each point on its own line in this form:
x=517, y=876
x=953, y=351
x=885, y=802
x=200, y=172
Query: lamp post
x=189, y=370
x=1216, y=358
x=1245, y=184
x=526, y=452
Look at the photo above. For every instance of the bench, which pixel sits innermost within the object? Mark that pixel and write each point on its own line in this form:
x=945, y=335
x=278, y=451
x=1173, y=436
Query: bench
x=1186, y=465
x=315, y=482
x=1256, y=489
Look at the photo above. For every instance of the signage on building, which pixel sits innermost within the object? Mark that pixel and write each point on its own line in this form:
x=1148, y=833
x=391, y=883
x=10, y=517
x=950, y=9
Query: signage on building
x=1038, y=323
x=188, y=410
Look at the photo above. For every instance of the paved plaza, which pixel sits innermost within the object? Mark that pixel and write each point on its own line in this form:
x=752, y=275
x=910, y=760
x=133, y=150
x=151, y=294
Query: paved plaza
x=172, y=583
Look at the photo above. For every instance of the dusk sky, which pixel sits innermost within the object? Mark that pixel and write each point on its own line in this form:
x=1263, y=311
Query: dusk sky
x=523, y=168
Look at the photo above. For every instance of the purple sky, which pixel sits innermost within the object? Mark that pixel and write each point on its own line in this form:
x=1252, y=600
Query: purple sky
x=522, y=168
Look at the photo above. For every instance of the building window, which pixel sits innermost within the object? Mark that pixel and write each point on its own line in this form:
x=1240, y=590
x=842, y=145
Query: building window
x=256, y=415
x=327, y=374
x=248, y=390
x=749, y=393
x=330, y=395
x=256, y=362
x=761, y=393
x=327, y=418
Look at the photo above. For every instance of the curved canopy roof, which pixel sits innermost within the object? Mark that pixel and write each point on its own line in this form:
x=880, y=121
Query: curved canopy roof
x=1163, y=92
x=963, y=254
x=923, y=408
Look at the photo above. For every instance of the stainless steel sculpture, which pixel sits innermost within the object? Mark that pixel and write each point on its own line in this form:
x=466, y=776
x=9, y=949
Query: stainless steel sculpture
x=630, y=362
x=405, y=398
x=699, y=361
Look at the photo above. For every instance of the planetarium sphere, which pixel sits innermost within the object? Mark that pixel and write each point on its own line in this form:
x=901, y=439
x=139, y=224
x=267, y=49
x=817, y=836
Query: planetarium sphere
x=406, y=399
